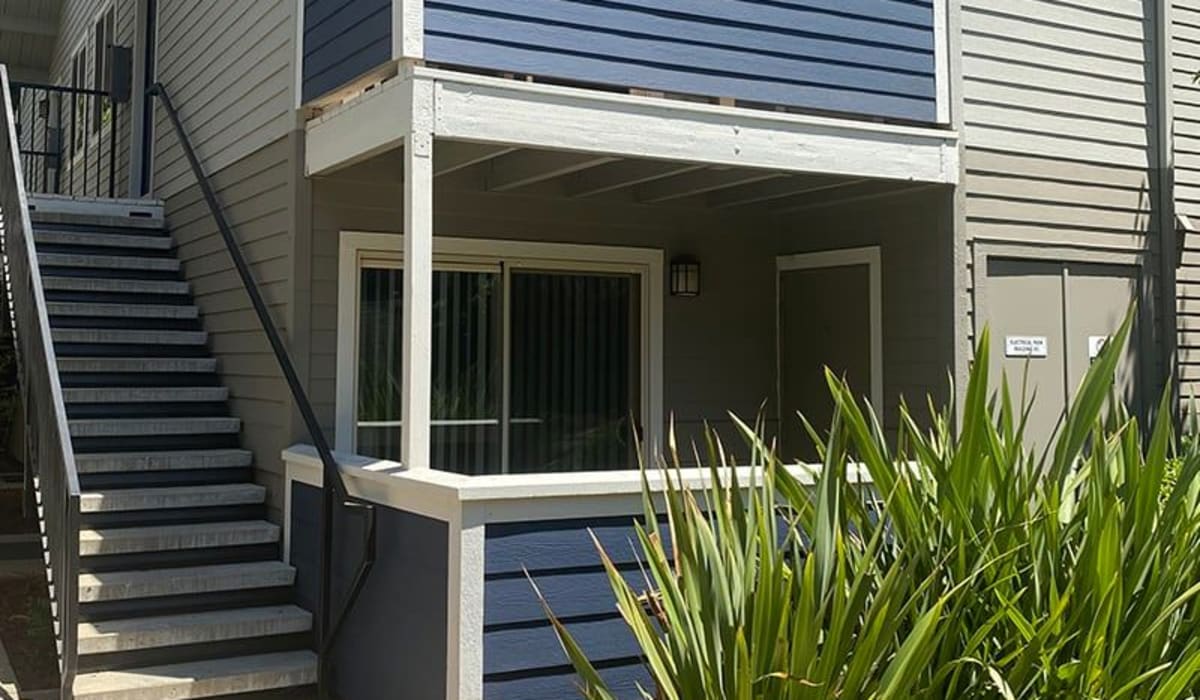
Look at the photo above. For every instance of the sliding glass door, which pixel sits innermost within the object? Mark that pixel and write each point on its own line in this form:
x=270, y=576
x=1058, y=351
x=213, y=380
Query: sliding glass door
x=534, y=370
x=465, y=435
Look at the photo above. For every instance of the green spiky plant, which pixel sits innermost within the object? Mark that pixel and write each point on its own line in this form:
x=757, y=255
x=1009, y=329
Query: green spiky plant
x=979, y=571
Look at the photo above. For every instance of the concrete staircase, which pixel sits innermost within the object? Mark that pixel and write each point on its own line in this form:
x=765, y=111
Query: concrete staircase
x=182, y=591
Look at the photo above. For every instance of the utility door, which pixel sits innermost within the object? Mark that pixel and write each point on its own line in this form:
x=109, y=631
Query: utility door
x=1049, y=320
x=829, y=308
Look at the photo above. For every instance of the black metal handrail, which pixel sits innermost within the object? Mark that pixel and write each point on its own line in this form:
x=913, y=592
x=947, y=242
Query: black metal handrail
x=49, y=455
x=335, y=490
x=68, y=139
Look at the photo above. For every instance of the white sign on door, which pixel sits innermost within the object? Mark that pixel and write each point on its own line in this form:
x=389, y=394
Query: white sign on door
x=1096, y=343
x=1026, y=346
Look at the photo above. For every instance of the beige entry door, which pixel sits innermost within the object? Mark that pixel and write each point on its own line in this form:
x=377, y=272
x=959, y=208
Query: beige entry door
x=1048, y=321
x=830, y=313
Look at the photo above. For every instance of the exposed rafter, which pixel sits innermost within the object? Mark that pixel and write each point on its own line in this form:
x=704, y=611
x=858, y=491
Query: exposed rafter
x=452, y=156
x=626, y=173
x=864, y=191
x=27, y=25
x=699, y=182
x=759, y=192
x=523, y=168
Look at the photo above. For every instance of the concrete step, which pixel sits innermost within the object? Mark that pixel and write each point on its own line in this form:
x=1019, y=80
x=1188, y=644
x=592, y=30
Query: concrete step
x=193, y=628
x=128, y=337
x=170, y=497
x=112, y=285
x=122, y=365
x=201, y=679
x=108, y=262
x=156, y=311
x=146, y=394
x=173, y=538
x=103, y=240
x=160, y=498
x=191, y=580
x=124, y=427
x=184, y=460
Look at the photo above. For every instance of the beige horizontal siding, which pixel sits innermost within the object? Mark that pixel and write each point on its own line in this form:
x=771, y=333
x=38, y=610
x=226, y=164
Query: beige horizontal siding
x=256, y=195
x=229, y=67
x=1057, y=114
x=77, y=22
x=1185, y=46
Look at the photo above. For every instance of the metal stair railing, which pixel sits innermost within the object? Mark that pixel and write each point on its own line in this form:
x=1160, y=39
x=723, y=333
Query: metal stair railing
x=48, y=452
x=334, y=491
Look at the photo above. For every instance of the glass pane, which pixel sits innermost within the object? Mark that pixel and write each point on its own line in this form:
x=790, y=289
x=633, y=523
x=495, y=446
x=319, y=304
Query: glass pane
x=465, y=434
x=575, y=371
x=380, y=342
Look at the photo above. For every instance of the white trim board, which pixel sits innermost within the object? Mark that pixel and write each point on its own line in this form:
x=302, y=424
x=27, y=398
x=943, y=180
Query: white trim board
x=533, y=115
x=869, y=256
x=383, y=249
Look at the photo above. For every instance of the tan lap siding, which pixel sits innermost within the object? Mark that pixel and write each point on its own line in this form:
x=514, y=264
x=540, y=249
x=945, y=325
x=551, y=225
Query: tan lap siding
x=77, y=24
x=228, y=66
x=256, y=196
x=1185, y=45
x=1057, y=103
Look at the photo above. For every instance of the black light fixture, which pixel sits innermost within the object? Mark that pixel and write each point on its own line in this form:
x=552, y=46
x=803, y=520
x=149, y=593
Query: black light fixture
x=685, y=276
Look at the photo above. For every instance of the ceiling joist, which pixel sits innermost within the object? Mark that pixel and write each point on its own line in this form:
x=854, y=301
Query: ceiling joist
x=699, y=182
x=622, y=174
x=27, y=25
x=452, y=156
x=759, y=192
x=524, y=168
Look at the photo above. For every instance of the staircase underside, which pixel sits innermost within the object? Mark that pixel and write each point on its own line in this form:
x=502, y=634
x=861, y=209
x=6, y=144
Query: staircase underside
x=182, y=590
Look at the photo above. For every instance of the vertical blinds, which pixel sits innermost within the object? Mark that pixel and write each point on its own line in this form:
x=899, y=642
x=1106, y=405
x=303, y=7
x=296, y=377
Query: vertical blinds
x=573, y=368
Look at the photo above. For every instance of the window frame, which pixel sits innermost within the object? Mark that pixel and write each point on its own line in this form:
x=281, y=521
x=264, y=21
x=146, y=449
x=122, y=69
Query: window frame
x=357, y=248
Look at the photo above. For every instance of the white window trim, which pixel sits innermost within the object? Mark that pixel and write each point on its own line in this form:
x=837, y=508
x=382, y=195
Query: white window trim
x=647, y=263
x=869, y=256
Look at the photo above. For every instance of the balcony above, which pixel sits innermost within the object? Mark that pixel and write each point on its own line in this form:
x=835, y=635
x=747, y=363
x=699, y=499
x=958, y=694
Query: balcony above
x=881, y=60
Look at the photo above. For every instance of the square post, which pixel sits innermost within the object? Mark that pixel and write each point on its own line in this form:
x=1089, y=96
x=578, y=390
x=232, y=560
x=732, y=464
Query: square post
x=408, y=29
x=418, y=280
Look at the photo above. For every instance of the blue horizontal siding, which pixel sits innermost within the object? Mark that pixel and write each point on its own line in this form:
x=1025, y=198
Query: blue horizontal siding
x=342, y=40
x=394, y=641
x=866, y=57
x=522, y=656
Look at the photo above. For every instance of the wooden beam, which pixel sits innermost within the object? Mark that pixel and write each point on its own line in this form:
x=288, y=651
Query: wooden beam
x=757, y=193
x=28, y=25
x=525, y=168
x=625, y=173
x=452, y=156
x=861, y=192
x=534, y=115
x=699, y=182
x=417, y=224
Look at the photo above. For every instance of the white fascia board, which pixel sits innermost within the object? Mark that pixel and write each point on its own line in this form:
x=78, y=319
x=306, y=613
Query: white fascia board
x=372, y=123
x=444, y=495
x=494, y=110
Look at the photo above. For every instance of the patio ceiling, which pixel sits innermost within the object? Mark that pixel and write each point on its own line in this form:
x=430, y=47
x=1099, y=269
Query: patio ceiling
x=651, y=182
x=28, y=29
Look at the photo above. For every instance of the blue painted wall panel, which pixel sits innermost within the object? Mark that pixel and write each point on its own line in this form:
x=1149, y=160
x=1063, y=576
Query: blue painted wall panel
x=521, y=654
x=864, y=57
x=342, y=40
x=394, y=640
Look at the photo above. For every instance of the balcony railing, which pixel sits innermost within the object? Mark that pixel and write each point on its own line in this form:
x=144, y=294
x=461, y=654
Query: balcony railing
x=67, y=138
x=48, y=452
x=875, y=59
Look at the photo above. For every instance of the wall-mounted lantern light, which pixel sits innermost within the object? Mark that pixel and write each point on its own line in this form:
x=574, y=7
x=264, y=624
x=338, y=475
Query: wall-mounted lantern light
x=685, y=276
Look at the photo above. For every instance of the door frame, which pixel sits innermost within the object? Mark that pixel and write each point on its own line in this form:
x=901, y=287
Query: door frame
x=141, y=105
x=356, y=248
x=985, y=250
x=872, y=257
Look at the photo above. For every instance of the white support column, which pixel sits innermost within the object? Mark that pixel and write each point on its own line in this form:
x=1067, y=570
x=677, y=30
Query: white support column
x=418, y=278
x=408, y=29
